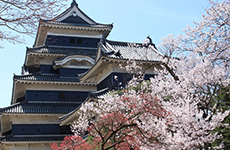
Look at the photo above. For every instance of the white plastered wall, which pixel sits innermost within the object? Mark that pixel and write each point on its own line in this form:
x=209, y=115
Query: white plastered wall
x=35, y=119
x=75, y=33
x=15, y=146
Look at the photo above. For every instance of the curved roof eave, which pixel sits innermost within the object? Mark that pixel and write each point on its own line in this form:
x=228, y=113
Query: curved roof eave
x=38, y=78
x=38, y=33
x=109, y=59
x=77, y=26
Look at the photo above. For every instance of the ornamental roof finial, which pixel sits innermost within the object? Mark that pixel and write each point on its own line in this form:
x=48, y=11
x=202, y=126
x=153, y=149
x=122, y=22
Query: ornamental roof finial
x=74, y=3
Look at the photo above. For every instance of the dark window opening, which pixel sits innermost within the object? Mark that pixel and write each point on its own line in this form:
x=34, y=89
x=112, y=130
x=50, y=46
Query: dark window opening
x=66, y=130
x=61, y=95
x=63, y=41
x=38, y=130
x=77, y=96
x=79, y=41
x=36, y=95
x=72, y=41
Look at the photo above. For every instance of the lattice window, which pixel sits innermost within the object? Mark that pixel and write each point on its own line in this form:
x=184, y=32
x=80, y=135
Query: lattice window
x=61, y=95
x=79, y=41
x=72, y=41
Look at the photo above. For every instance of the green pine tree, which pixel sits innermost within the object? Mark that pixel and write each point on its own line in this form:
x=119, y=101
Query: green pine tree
x=224, y=104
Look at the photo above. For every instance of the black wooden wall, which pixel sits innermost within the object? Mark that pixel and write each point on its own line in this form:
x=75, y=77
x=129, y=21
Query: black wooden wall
x=72, y=41
x=29, y=129
x=71, y=96
x=118, y=80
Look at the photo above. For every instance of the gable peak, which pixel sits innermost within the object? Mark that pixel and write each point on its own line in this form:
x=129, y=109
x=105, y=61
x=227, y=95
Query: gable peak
x=74, y=3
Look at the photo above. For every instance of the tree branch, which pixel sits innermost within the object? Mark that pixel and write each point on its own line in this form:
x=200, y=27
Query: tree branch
x=13, y=4
x=176, y=78
x=114, y=132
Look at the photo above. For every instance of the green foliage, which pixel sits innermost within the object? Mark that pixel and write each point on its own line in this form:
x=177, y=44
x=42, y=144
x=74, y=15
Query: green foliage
x=224, y=104
x=118, y=92
x=142, y=87
x=91, y=141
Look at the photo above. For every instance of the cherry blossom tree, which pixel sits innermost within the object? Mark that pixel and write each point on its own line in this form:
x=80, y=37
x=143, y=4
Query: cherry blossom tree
x=209, y=37
x=21, y=16
x=75, y=143
x=177, y=109
x=163, y=114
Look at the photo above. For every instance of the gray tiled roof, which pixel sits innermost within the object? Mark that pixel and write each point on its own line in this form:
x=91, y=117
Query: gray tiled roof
x=96, y=25
x=45, y=77
x=41, y=107
x=124, y=50
x=64, y=50
x=14, y=138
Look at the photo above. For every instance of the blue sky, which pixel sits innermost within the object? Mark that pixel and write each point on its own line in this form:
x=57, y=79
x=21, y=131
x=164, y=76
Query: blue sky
x=133, y=21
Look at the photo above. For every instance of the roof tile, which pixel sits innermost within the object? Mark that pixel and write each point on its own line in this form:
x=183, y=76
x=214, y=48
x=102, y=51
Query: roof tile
x=135, y=51
x=41, y=107
x=46, y=77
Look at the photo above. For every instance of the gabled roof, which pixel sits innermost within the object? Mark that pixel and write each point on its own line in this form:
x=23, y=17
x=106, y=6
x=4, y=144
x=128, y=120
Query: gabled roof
x=121, y=52
x=40, y=107
x=72, y=18
x=74, y=11
x=75, y=16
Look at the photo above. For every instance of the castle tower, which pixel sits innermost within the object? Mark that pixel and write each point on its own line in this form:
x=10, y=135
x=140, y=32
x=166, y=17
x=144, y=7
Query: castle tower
x=48, y=87
x=71, y=62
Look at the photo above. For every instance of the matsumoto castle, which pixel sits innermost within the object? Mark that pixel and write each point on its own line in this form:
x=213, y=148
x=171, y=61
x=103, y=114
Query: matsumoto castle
x=70, y=62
